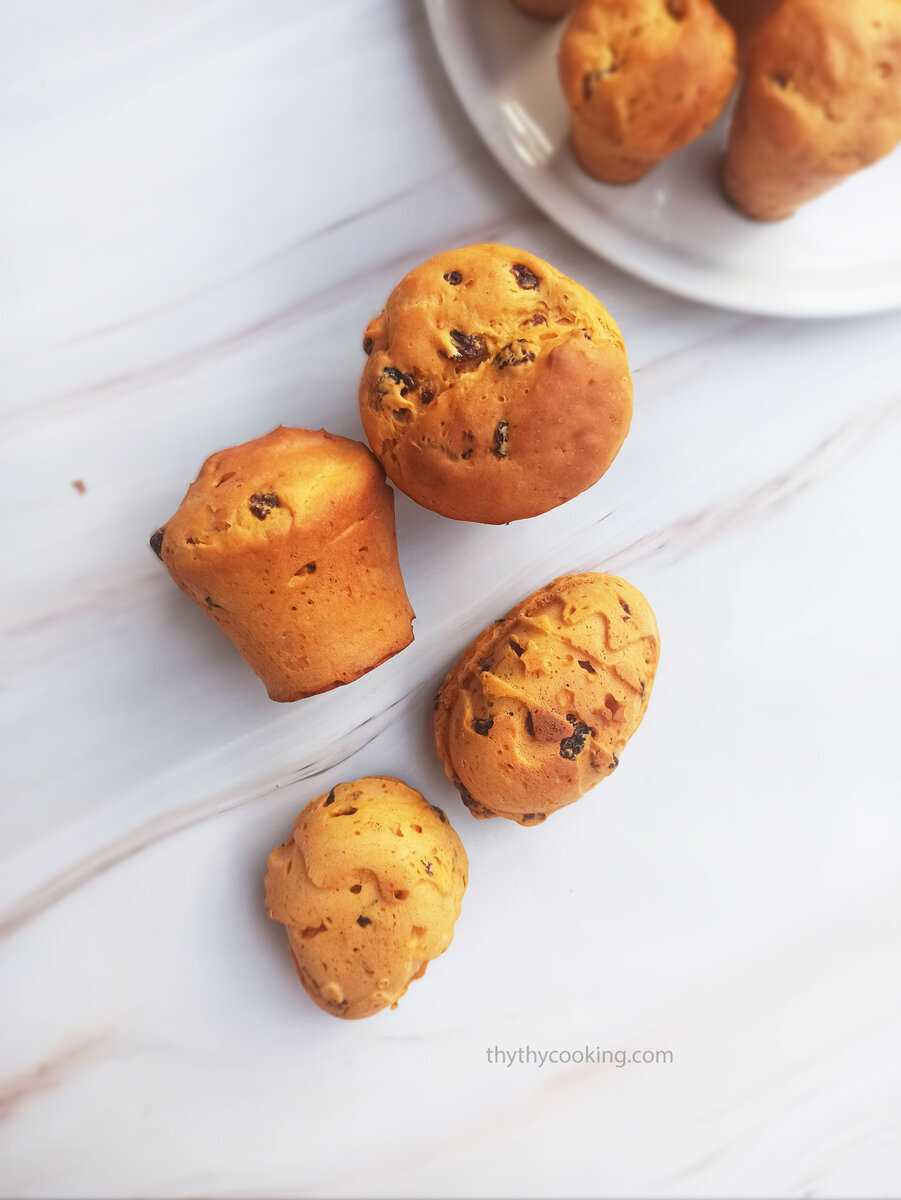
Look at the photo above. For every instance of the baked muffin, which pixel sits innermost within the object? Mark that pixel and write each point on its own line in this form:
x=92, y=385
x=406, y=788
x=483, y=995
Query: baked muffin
x=495, y=388
x=539, y=708
x=548, y=9
x=820, y=101
x=288, y=544
x=369, y=886
x=642, y=78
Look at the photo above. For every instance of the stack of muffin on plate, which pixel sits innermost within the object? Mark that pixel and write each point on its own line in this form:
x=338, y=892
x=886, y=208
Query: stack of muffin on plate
x=820, y=100
x=495, y=389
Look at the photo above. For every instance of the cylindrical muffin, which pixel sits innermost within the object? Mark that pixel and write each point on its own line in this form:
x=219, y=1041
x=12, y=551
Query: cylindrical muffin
x=288, y=544
x=496, y=388
x=820, y=101
x=368, y=886
x=643, y=78
x=539, y=708
x=546, y=9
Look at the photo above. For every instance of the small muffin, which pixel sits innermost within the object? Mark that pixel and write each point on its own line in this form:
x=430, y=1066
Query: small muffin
x=642, y=78
x=288, y=544
x=496, y=388
x=820, y=101
x=369, y=886
x=548, y=9
x=539, y=708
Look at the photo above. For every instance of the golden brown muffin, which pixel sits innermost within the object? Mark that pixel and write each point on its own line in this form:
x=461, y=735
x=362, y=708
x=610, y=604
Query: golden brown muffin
x=821, y=100
x=496, y=388
x=538, y=709
x=642, y=78
x=547, y=9
x=369, y=886
x=288, y=544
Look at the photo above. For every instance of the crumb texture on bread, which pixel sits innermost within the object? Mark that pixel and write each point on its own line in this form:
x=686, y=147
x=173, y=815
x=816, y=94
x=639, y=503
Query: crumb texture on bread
x=540, y=707
x=496, y=388
x=368, y=886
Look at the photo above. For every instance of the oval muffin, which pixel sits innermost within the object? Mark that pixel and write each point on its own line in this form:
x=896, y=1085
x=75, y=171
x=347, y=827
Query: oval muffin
x=368, y=886
x=539, y=708
x=496, y=388
x=820, y=101
x=643, y=78
x=288, y=544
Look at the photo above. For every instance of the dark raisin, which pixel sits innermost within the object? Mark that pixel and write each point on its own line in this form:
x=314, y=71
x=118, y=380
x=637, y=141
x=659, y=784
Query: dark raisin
x=575, y=743
x=586, y=334
x=518, y=650
x=530, y=725
x=590, y=78
x=439, y=813
x=482, y=725
x=642, y=689
x=426, y=396
x=539, y=319
x=486, y=665
x=514, y=355
x=427, y=866
x=453, y=277
x=501, y=440
x=156, y=542
x=628, y=611
x=367, y=345
x=393, y=374
x=310, y=568
x=524, y=277
x=262, y=503
x=364, y=921
x=211, y=604
x=586, y=666
x=331, y=798
x=615, y=762
x=467, y=453
x=469, y=345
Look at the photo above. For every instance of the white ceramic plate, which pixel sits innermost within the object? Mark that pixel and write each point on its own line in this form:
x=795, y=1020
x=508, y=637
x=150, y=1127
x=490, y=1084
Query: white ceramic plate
x=840, y=255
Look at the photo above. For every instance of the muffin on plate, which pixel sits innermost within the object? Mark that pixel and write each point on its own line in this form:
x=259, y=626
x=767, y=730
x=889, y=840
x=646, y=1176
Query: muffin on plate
x=539, y=708
x=820, y=101
x=368, y=886
x=288, y=544
x=496, y=388
x=643, y=78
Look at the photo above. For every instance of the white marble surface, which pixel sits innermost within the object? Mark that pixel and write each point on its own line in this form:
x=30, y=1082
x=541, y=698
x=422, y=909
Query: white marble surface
x=202, y=203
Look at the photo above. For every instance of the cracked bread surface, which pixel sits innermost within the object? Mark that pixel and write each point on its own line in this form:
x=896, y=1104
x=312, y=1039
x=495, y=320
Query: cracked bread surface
x=288, y=543
x=642, y=79
x=369, y=886
x=538, y=709
x=495, y=388
x=821, y=100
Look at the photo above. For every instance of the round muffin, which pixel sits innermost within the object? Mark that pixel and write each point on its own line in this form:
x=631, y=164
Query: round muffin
x=288, y=544
x=642, y=78
x=547, y=9
x=539, y=708
x=368, y=886
x=496, y=388
x=820, y=101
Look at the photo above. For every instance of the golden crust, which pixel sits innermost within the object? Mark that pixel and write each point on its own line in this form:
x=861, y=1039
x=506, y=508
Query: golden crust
x=539, y=708
x=288, y=544
x=496, y=388
x=642, y=78
x=820, y=101
x=369, y=886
